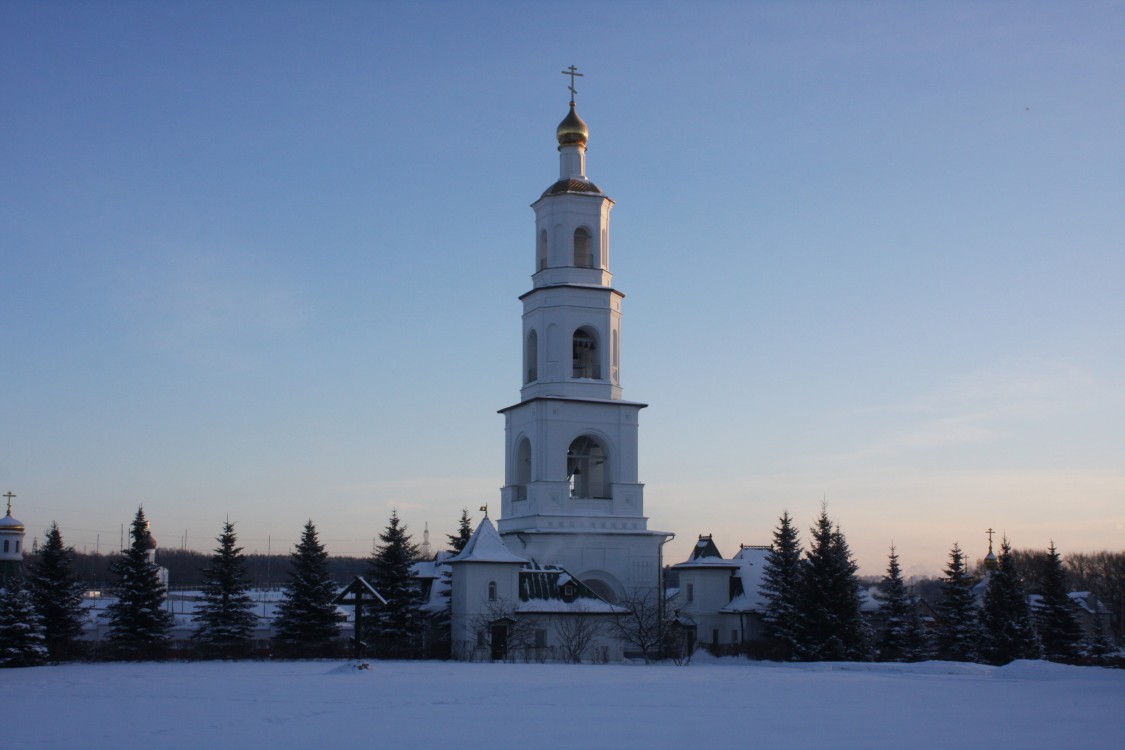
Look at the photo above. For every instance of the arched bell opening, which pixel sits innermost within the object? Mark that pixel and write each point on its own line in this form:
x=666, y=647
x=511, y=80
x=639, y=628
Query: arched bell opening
x=587, y=469
x=585, y=357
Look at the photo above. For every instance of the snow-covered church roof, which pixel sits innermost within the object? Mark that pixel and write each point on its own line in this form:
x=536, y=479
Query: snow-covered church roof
x=706, y=555
x=485, y=545
x=550, y=588
x=751, y=563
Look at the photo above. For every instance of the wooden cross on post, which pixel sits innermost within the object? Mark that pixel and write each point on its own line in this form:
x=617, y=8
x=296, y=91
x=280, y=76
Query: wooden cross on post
x=360, y=594
x=573, y=73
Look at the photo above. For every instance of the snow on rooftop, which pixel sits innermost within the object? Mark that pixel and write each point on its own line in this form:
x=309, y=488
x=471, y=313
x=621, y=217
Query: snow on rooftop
x=751, y=563
x=485, y=545
x=558, y=606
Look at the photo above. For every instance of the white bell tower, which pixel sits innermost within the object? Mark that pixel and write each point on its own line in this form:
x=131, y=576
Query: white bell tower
x=572, y=495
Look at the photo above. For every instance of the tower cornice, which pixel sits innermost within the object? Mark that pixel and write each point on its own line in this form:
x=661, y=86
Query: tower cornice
x=573, y=400
x=584, y=287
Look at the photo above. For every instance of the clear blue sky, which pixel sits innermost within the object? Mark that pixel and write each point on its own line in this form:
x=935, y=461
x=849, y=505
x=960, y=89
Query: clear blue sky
x=263, y=259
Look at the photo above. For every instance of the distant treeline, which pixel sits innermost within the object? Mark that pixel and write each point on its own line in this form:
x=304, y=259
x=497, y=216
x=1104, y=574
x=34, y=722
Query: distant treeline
x=185, y=568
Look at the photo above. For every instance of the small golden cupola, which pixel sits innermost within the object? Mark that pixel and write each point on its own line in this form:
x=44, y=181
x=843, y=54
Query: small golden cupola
x=572, y=131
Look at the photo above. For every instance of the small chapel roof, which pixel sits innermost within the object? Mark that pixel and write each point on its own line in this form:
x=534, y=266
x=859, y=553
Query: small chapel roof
x=7, y=523
x=485, y=545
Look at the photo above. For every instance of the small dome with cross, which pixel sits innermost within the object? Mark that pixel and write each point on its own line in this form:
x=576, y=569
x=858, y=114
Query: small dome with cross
x=572, y=130
x=11, y=542
x=7, y=523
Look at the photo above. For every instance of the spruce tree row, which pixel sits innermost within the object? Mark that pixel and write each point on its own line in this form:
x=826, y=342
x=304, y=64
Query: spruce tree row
x=1005, y=627
x=812, y=608
x=813, y=602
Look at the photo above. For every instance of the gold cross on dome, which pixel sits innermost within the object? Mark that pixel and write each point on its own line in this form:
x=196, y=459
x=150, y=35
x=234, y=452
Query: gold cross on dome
x=573, y=73
x=9, y=495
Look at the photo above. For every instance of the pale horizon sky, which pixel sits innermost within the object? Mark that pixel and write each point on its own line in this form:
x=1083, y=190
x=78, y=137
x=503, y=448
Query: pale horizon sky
x=262, y=260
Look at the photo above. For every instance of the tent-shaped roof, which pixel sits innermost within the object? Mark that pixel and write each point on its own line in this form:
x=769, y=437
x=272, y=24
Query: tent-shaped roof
x=706, y=555
x=485, y=545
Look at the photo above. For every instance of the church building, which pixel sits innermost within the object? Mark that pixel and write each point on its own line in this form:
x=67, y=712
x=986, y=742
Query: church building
x=572, y=505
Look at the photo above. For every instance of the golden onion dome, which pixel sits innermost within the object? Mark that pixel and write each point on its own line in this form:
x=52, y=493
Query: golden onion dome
x=572, y=130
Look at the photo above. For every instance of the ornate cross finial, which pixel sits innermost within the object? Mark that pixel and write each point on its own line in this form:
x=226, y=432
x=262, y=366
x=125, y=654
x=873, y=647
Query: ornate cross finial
x=10, y=495
x=573, y=73
x=990, y=532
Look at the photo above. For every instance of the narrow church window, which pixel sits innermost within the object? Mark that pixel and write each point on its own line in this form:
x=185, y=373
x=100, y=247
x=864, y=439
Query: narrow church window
x=691, y=592
x=532, y=357
x=541, y=251
x=584, y=353
x=5, y=545
x=614, y=366
x=587, y=468
x=492, y=591
x=583, y=248
x=523, y=468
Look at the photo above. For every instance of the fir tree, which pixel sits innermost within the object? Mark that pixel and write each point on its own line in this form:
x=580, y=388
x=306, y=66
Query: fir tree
x=306, y=616
x=399, y=623
x=138, y=622
x=959, y=628
x=58, y=595
x=441, y=620
x=902, y=637
x=1005, y=616
x=464, y=533
x=781, y=586
x=21, y=635
x=1097, y=646
x=832, y=626
x=225, y=616
x=1059, y=631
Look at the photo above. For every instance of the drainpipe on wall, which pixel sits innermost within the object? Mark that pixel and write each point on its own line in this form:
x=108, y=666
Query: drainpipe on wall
x=660, y=613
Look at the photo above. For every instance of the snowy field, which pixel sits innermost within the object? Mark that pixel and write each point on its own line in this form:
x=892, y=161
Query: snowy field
x=720, y=704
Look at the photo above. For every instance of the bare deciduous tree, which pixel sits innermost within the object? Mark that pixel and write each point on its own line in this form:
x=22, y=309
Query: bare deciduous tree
x=576, y=633
x=638, y=621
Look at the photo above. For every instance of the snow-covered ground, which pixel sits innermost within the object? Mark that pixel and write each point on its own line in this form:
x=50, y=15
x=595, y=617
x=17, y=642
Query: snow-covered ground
x=716, y=703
